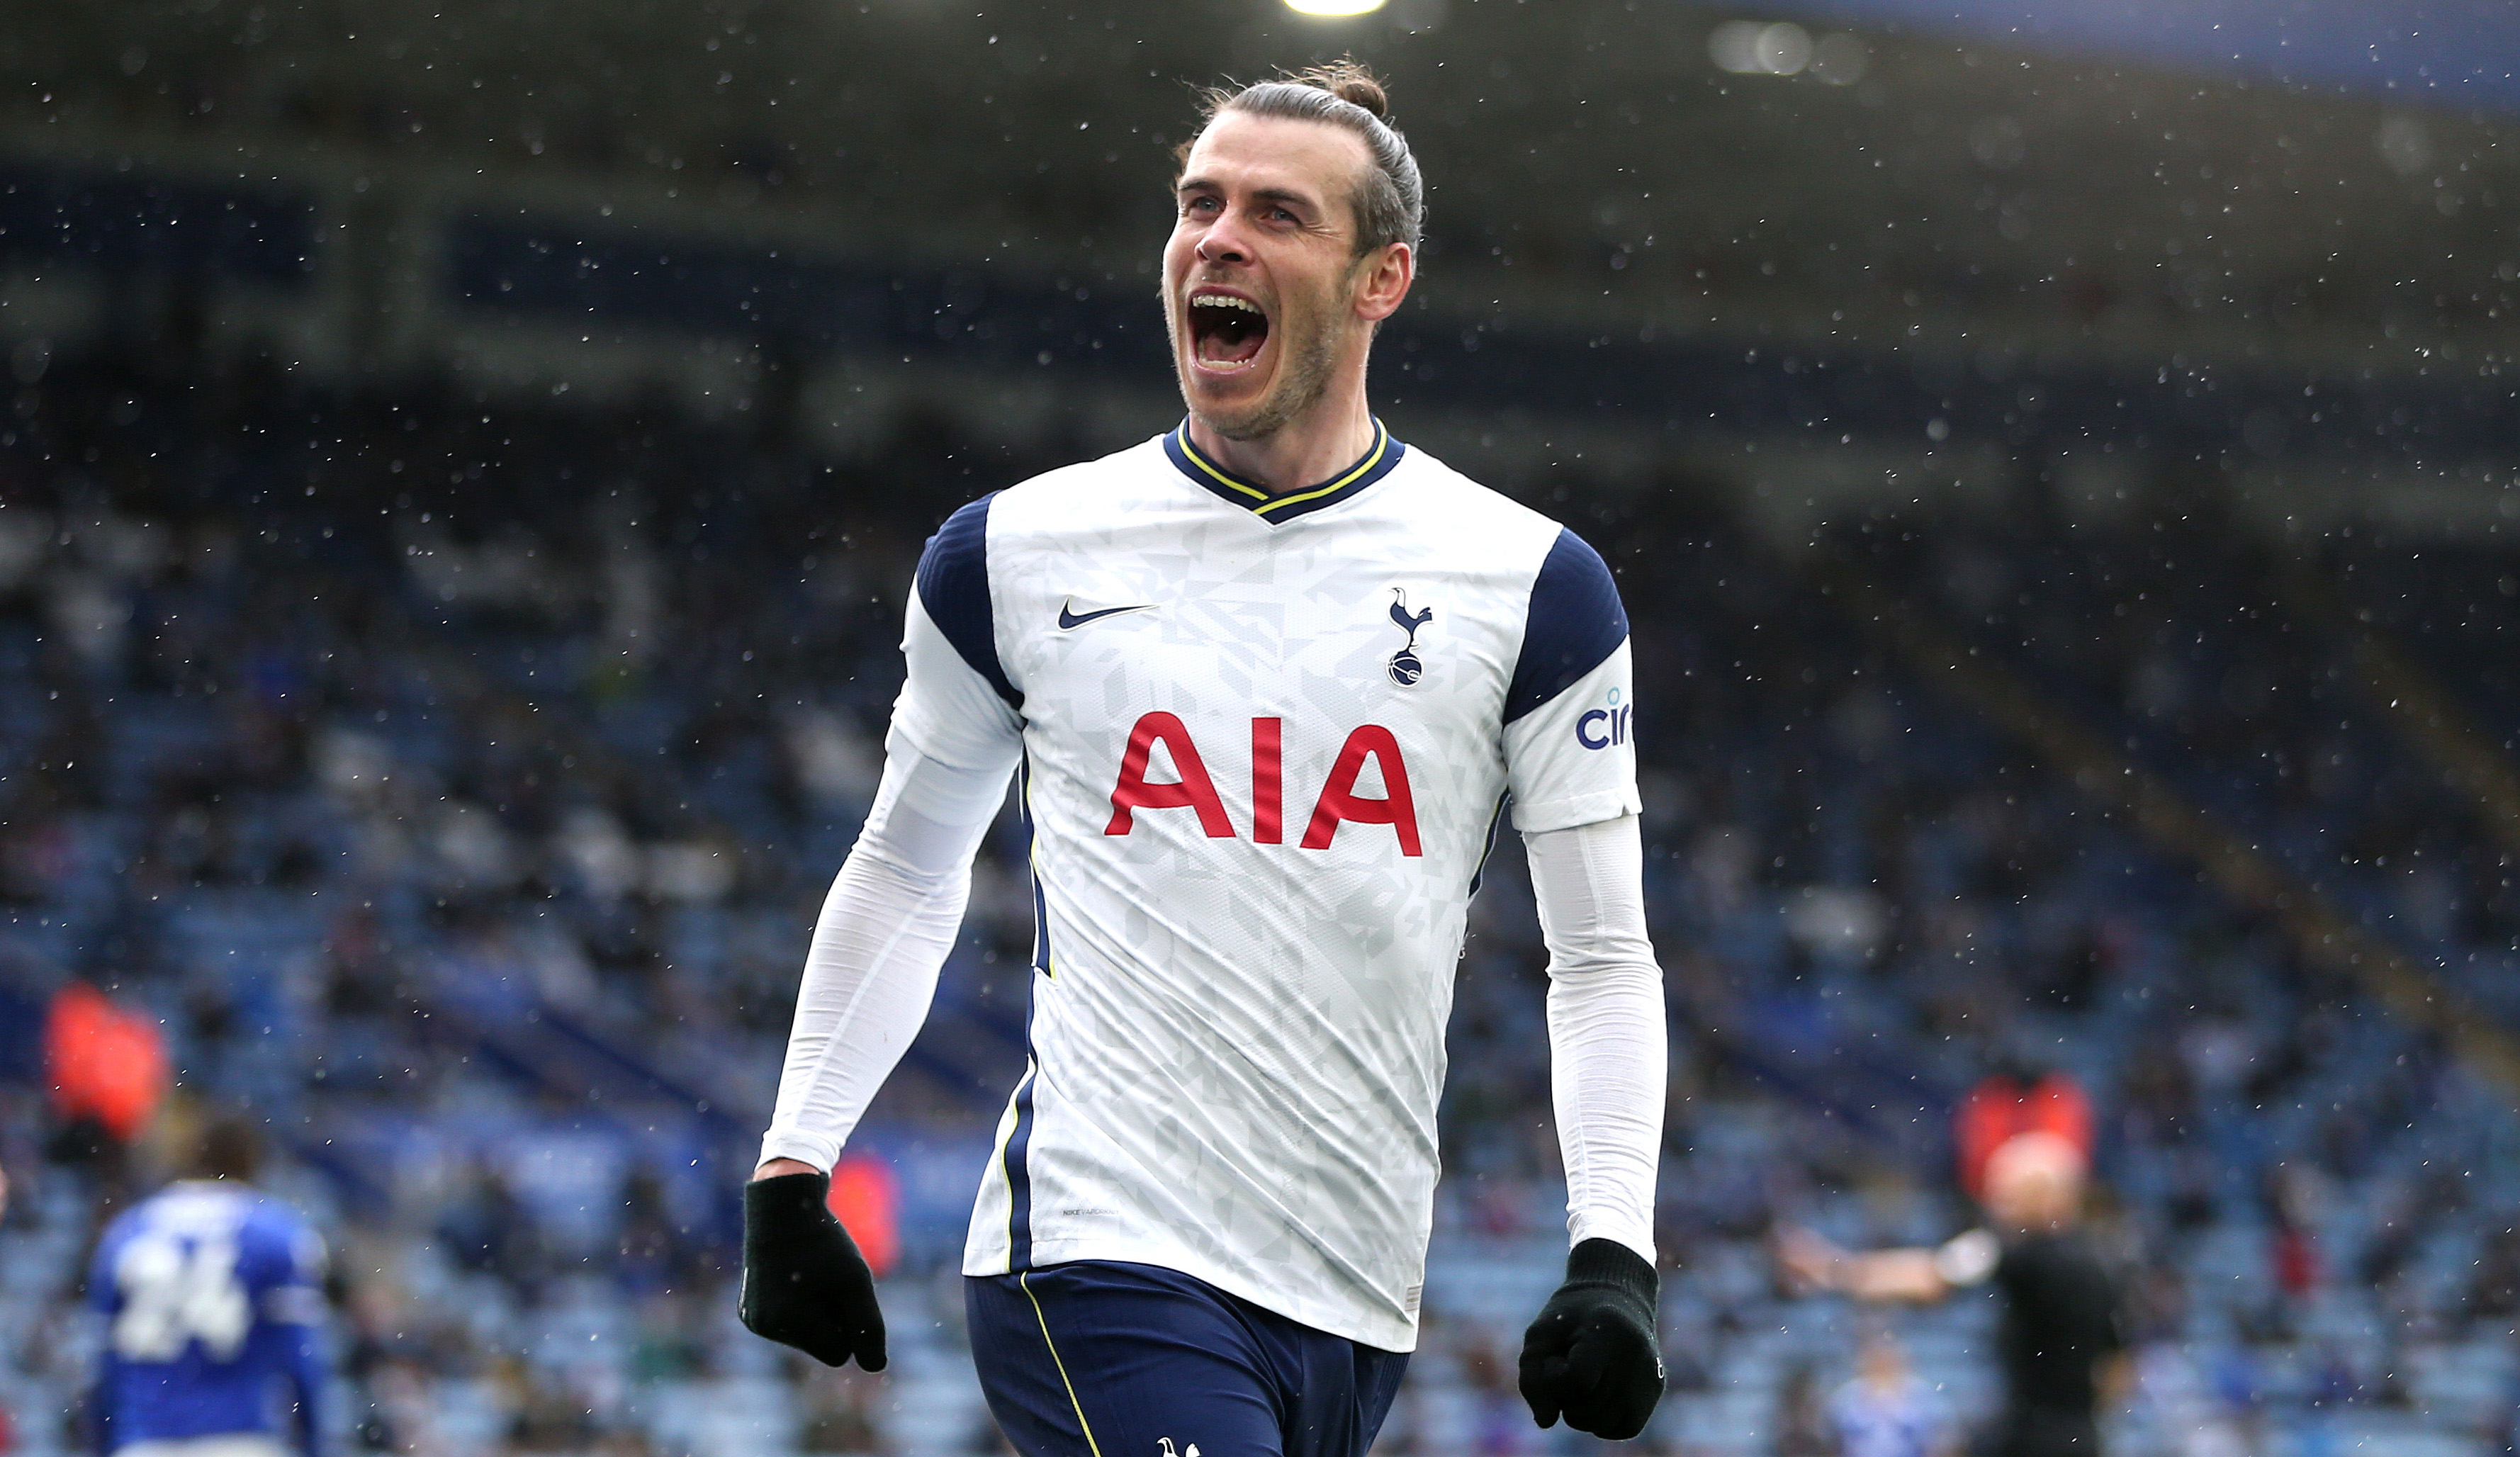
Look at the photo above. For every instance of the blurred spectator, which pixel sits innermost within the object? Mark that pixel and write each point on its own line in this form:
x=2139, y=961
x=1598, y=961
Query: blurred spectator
x=865, y=1199
x=838, y=1407
x=108, y=1065
x=1804, y=1425
x=1886, y=1411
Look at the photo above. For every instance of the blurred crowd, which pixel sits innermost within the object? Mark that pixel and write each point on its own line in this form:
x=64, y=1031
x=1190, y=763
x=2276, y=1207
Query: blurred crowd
x=452, y=785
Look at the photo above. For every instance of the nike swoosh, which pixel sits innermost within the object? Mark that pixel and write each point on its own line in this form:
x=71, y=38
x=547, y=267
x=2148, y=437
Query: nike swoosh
x=1068, y=620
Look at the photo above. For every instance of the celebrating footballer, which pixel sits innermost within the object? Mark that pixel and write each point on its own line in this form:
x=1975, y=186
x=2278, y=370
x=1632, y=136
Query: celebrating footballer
x=1267, y=681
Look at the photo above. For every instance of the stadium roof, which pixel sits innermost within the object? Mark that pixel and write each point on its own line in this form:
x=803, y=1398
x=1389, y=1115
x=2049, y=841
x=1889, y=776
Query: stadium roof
x=1590, y=163
x=2451, y=53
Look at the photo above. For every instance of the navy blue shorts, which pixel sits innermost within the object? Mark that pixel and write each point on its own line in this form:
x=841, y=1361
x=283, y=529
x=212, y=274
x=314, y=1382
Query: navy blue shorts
x=1103, y=1359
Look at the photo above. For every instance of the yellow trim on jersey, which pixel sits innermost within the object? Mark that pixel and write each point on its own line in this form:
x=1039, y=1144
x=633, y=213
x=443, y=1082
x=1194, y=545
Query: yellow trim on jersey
x=1222, y=479
x=1025, y=1282
x=1267, y=502
x=998, y=1152
x=1381, y=442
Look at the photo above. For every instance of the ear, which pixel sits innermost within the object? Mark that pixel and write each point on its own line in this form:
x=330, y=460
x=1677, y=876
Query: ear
x=1383, y=278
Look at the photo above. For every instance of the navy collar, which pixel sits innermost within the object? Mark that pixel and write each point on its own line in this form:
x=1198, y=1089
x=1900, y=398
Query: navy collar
x=1377, y=463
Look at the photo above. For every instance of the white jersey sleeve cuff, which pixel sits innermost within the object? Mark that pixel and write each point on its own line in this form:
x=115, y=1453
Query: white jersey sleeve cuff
x=1572, y=760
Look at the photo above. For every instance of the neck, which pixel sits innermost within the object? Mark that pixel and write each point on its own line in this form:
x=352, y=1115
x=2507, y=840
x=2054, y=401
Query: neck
x=1306, y=451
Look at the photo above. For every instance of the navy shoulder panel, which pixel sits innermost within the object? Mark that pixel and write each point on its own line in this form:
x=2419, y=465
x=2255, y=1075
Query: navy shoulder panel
x=1576, y=621
x=954, y=587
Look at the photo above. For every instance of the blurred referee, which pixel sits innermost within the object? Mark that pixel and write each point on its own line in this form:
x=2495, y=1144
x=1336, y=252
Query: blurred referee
x=2061, y=1340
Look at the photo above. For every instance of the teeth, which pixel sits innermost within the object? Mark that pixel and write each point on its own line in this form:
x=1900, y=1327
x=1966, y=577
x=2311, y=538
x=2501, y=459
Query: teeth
x=1225, y=300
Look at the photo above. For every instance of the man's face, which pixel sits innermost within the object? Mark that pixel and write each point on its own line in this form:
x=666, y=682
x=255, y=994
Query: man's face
x=2034, y=1182
x=1263, y=289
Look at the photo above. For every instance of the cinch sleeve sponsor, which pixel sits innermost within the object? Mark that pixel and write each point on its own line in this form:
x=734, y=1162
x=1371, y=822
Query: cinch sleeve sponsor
x=1569, y=713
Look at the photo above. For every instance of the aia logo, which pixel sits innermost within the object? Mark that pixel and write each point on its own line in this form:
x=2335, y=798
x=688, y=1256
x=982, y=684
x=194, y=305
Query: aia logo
x=1405, y=667
x=1337, y=803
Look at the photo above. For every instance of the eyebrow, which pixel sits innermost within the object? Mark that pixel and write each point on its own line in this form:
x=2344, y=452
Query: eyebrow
x=1265, y=193
x=1287, y=195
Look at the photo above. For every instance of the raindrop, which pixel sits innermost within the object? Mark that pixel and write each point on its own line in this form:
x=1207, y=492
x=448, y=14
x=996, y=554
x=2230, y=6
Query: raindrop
x=1785, y=49
x=1750, y=48
x=1840, y=60
x=2265, y=431
x=1997, y=141
x=2405, y=145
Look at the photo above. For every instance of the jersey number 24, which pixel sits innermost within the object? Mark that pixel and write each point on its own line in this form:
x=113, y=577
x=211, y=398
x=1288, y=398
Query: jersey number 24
x=175, y=1290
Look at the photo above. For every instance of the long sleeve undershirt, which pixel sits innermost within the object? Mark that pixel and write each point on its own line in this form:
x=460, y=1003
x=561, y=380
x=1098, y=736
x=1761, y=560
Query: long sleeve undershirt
x=887, y=926
x=1609, y=1057
x=896, y=906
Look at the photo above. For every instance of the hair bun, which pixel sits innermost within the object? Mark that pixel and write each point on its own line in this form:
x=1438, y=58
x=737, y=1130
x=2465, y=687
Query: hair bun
x=1350, y=80
x=1365, y=92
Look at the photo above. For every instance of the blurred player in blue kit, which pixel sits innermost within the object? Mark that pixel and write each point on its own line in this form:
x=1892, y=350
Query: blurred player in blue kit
x=212, y=1303
x=1270, y=681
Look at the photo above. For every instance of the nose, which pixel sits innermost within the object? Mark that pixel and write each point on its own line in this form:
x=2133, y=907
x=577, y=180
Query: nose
x=1220, y=244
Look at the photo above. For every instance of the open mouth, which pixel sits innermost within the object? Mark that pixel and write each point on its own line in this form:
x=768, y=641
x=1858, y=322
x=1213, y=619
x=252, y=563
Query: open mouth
x=1226, y=331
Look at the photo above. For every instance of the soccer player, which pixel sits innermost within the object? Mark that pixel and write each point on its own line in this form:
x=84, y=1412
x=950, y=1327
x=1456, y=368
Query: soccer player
x=1270, y=680
x=2060, y=1337
x=212, y=1301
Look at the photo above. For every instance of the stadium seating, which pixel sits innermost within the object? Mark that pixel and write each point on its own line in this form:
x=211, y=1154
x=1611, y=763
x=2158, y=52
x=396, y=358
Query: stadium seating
x=456, y=784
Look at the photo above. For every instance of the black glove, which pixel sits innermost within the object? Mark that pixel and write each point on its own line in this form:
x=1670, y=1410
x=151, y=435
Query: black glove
x=1591, y=1354
x=805, y=1283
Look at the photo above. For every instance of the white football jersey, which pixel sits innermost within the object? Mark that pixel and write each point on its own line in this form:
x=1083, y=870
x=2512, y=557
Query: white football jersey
x=1265, y=745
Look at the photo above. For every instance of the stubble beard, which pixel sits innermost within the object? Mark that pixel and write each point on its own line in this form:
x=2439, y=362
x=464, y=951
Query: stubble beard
x=1303, y=378
x=1304, y=373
